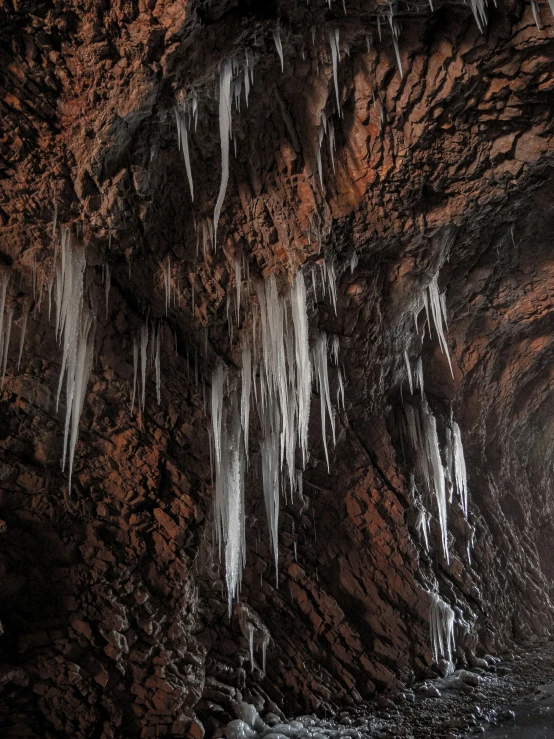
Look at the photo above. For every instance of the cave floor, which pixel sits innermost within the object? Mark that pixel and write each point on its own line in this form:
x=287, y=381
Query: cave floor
x=533, y=719
x=522, y=684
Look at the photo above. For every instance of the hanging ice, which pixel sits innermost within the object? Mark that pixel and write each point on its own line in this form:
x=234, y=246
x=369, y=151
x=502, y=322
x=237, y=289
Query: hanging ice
x=183, y=143
x=225, y=135
x=9, y=319
x=437, y=473
x=334, y=41
x=409, y=371
x=158, y=365
x=441, y=622
x=143, y=348
x=279, y=46
x=76, y=383
x=24, y=320
x=438, y=311
x=460, y=472
x=322, y=377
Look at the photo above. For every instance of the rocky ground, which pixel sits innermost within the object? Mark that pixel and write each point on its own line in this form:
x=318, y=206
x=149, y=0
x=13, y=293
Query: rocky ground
x=466, y=703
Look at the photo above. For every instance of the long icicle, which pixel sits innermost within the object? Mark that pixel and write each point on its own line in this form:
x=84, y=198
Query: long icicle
x=225, y=134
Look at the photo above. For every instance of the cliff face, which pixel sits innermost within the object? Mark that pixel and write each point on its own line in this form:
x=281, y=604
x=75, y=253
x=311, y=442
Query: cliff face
x=113, y=603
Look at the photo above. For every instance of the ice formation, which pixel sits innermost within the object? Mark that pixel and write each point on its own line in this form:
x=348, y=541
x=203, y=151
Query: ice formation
x=183, y=143
x=279, y=46
x=225, y=78
x=24, y=319
x=6, y=338
x=277, y=376
x=409, y=372
x=441, y=619
x=438, y=311
x=334, y=42
x=460, y=472
x=422, y=430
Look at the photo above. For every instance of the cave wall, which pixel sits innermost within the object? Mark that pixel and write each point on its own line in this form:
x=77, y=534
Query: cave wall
x=113, y=605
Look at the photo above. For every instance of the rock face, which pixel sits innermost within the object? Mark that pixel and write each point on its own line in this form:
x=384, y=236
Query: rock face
x=113, y=605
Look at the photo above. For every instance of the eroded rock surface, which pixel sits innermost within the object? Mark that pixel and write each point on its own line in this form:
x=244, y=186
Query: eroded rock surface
x=113, y=606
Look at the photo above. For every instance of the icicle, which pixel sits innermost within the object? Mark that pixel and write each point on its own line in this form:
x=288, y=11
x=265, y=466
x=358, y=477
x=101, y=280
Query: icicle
x=158, y=366
x=166, y=272
x=340, y=391
x=72, y=274
x=76, y=384
x=395, y=29
x=422, y=525
x=334, y=41
x=6, y=348
x=143, y=348
x=246, y=391
x=335, y=344
x=279, y=46
x=251, y=645
x=4, y=280
x=183, y=142
x=320, y=366
x=353, y=261
x=332, y=283
x=535, y=14
x=438, y=312
x=460, y=472
x=24, y=320
x=238, y=280
x=409, y=371
x=303, y=366
x=437, y=473
x=246, y=77
x=265, y=642
x=441, y=621
x=225, y=134
x=135, y=368
x=419, y=376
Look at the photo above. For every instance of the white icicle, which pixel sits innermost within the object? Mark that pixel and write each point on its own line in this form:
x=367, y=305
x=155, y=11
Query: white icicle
x=135, y=369
x=183, y=141
x=279, y=46
x=4, y=280
x=77, y=380
x=238, y=280
x=225, y=135
x=354, y=259
x=245, y=392
x=303, y=366
x=334, y=41
x=158, y=365
x=437, y=473
x=335, y=345
x=441, y=622
x=320, y=367
x=143, y=349
x=409, y=371
x=438, y=311
x=460, y=471
x=72, y=275
x=6, y=348
x=24, y=320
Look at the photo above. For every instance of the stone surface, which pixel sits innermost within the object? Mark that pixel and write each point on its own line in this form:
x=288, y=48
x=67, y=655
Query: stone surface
x=113, y=605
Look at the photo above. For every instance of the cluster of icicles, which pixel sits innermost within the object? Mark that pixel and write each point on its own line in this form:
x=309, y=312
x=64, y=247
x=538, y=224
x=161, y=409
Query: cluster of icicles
x=440, y=474
x=74, y=331
x=276, y=378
